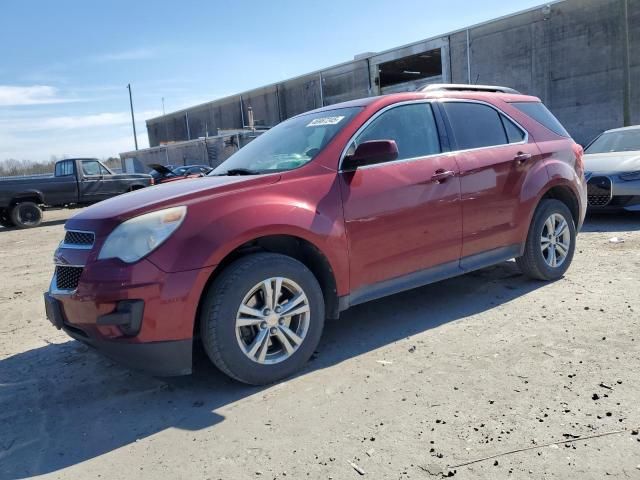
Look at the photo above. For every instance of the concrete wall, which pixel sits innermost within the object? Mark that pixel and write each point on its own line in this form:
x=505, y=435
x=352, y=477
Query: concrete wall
x=571, y=56
x=264, y=103
x=346, y=82
x=299, y=95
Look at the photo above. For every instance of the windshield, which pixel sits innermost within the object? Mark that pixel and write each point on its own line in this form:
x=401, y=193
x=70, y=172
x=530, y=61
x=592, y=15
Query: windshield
x=181, y=170
x=621, y=141
x=289, y=144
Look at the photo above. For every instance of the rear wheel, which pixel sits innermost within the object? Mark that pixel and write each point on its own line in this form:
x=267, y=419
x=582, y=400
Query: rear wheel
x=5, y=219
x=550, y=243
x=262, y=318
x=26, y=215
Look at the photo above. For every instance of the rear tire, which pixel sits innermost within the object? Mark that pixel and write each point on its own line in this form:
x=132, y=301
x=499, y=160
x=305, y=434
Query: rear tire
x=26, y=215
x=243, y=323
x=5, y=219
x=551, y=242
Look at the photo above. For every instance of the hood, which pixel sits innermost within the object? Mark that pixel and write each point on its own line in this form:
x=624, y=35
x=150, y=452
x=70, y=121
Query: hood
x=160, y=168
x=612, y=162
x=108, y=213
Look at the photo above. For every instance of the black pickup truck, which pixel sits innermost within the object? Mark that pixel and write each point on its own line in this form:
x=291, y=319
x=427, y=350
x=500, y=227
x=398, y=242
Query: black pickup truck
x=75, y=182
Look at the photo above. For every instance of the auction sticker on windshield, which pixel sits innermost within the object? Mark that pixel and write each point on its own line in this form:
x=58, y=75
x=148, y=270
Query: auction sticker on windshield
x=316, y=122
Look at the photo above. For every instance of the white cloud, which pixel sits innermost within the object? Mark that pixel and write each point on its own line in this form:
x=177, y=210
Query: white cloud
x=34, y=137
x=103, y=145
x=11, y=95
x=83, y=121
x=28, y=124
x=88, y=121
x=133, y=54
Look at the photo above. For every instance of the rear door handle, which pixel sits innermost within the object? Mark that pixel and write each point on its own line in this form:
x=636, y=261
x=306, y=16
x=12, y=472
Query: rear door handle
x=441, y=175
x=522, y=157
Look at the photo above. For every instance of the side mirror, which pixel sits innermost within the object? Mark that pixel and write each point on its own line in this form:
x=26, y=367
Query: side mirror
x=369, y=153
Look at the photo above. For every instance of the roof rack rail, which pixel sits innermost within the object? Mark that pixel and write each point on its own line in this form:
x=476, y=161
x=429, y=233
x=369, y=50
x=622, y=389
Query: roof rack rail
x=463, y=87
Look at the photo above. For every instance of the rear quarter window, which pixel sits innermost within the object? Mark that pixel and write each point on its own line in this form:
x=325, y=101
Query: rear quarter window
x=63, y=169
x=514, y=133
x=542, y=115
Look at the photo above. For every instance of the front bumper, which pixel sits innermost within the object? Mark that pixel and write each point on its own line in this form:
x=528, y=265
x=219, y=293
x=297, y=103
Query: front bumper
x=136, y=314
x=165, y=359
x=611, y=193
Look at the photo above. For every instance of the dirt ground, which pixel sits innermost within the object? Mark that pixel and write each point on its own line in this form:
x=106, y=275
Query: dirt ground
x=406, y=387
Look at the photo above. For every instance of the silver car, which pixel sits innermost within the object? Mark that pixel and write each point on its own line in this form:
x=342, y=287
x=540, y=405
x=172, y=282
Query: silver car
x=612, y=169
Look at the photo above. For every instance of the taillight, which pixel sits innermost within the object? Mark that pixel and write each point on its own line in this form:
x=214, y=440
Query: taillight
x=153, y=182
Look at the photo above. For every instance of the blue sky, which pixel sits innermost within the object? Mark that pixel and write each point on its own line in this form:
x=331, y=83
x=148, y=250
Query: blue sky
x=65, y=64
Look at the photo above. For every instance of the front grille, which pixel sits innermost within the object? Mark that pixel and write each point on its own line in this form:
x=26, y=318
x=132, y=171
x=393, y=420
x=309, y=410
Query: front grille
x=79, y=239
x=67, y=278
x=599, y=191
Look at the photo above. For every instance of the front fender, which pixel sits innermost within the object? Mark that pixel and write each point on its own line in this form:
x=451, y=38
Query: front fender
x=309, y=209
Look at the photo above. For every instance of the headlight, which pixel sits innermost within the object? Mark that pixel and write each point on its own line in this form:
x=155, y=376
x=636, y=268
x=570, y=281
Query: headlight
x=139, y=236
x=629, y=176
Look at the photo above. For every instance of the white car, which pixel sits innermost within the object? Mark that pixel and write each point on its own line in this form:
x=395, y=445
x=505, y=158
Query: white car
x=612, y=169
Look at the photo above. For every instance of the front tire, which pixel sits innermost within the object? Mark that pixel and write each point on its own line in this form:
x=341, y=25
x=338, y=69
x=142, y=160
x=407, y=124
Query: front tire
x=551, y=242
x=262, y=318
x=26, y=215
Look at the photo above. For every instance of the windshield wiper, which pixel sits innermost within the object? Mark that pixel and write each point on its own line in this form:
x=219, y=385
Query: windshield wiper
x=238, y=171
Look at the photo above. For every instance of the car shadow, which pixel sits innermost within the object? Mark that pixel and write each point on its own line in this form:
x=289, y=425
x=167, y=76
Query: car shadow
x=63, y=404
x=612, y=222
x=45, y=223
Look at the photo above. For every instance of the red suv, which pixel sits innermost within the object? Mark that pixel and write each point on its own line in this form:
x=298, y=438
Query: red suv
x=329, y=209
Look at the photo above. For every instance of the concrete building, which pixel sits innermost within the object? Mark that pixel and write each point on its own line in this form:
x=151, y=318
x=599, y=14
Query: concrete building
x=581, y=57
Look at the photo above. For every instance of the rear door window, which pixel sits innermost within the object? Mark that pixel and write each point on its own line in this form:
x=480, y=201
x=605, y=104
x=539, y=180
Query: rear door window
x=411, y=126
x=542, y=115
x=475, y=125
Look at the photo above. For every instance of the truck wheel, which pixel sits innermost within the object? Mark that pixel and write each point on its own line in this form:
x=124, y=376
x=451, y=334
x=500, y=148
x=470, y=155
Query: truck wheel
x=551, y=242
x=26, y=215
x=5, y=219
x=262, y=318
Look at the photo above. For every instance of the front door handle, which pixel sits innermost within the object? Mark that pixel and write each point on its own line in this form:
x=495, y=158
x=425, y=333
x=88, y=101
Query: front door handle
x=441, y=175
x=522, y=157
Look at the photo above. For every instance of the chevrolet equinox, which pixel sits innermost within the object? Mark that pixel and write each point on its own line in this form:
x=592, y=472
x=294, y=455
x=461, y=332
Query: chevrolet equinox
x=332, y=208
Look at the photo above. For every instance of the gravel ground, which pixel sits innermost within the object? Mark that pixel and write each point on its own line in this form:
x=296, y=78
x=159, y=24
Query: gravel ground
x=405, y=387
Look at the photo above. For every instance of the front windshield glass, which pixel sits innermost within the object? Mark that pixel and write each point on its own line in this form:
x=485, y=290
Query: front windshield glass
x=181, y=170
x=289, y=144
x=622, y=141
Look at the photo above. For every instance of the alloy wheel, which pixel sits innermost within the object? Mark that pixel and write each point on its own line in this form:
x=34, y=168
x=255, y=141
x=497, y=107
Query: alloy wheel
x=555, y=240
x=273, y=320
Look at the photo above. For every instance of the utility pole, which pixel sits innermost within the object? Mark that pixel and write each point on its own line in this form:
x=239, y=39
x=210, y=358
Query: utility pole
x=163, y=106
x=626, y=67
x=133, y=120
